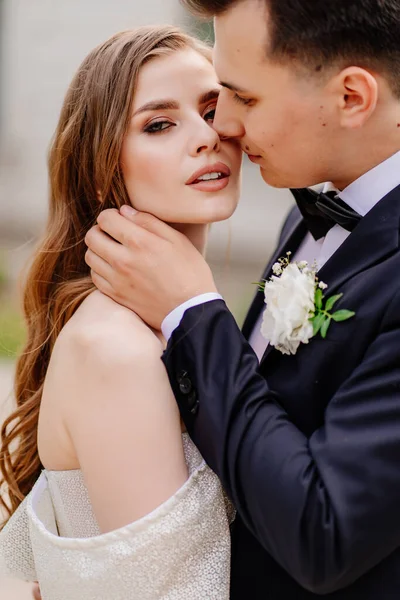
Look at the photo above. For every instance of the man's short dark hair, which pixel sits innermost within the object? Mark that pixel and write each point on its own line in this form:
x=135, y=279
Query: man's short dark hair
x=320, y=33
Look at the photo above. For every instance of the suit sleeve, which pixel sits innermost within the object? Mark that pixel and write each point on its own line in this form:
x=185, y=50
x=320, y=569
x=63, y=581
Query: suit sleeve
x=325, y=507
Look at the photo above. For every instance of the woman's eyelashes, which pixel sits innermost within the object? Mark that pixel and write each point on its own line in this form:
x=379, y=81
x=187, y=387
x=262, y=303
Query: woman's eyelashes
x=209, y=115
x=163, y=125
x=158, y=126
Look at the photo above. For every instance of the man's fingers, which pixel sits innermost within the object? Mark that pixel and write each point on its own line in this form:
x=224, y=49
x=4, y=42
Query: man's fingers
x=36, y=592
x=103, y=285
x=150, y=223
x=99, y=265
x=102, y=245
x=128, y=233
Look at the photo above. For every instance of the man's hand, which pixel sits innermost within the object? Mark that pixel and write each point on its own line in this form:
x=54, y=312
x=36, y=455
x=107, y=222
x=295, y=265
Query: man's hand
x=36, y=592
x=152, y=270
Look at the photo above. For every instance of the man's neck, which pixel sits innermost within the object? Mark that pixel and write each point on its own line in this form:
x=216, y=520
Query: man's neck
x=369, y=146
x=359, y=166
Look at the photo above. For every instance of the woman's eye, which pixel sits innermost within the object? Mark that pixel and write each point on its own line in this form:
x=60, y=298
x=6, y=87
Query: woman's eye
x=210, y=115
x=158, y=126
x=240, y=100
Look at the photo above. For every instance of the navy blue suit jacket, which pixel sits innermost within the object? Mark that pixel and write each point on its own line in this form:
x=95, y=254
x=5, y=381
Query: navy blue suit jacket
x=307, y=446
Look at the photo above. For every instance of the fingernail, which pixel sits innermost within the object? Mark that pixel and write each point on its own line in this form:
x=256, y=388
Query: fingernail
x=127, y=211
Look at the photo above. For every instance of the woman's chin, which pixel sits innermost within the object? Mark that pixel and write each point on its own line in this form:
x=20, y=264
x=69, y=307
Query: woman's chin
x=204, y=209
x=211, y=217
x=219, y=209
x=205, y=215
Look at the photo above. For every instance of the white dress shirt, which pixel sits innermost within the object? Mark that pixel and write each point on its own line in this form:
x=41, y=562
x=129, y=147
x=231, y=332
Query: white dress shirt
x=361, y=195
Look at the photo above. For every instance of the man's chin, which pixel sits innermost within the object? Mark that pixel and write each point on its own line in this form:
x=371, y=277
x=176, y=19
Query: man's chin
x=273, y=179
x=287, y=181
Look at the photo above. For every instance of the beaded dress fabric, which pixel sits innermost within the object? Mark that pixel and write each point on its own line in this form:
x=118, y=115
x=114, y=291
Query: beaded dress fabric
x=180, y=551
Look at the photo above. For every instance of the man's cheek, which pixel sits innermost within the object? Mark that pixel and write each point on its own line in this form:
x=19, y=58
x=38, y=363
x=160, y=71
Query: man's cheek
x=259, y=132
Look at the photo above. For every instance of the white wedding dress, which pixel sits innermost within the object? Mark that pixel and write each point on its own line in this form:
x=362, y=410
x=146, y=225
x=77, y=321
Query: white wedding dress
x=180, y=551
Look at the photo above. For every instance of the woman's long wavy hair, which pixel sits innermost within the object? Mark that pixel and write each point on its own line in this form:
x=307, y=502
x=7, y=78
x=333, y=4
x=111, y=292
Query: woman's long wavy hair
x=84, y=165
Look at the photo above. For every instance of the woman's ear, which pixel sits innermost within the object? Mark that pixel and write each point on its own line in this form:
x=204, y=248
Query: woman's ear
x=99, y=196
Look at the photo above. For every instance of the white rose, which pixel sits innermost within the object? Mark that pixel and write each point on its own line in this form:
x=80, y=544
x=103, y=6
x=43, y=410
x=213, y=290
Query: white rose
x=290, y=302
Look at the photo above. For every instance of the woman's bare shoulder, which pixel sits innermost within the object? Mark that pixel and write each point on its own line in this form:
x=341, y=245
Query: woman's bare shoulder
x=102, y=328
x=102, y=348
x=101, y=343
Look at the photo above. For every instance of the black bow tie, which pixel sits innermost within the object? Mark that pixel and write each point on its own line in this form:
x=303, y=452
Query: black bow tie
x=322, y=211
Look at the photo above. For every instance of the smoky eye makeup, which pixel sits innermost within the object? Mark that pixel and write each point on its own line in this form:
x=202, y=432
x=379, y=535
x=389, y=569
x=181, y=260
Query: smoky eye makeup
x=158, y=126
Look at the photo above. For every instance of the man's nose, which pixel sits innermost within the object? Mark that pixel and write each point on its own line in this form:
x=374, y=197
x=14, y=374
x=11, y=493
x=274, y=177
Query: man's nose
x=227, y=121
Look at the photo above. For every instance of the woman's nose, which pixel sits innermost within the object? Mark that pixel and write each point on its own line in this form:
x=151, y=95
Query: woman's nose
x=208, y=147
x=206, y=141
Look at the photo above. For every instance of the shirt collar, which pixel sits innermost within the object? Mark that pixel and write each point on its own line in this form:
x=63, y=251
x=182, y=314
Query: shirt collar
x=367, y=190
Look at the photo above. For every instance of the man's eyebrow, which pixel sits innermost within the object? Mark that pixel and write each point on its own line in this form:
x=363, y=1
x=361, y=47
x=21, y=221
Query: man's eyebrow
x=157, y=105
x=232, y=87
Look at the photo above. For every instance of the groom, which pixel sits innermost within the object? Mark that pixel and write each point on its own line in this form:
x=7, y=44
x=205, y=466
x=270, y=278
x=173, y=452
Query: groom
x=307, y=445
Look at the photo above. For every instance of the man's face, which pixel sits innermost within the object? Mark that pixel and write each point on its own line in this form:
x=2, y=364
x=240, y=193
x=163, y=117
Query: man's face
x=286, y=121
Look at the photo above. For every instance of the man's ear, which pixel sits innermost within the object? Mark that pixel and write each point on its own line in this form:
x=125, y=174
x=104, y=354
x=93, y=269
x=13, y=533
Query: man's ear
x=357, y=91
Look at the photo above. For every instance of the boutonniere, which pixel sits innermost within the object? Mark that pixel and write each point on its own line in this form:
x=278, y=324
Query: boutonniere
x=296, y=308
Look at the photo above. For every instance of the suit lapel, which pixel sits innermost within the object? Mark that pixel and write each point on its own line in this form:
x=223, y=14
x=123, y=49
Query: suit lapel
x=375, y=238
x=290, y=240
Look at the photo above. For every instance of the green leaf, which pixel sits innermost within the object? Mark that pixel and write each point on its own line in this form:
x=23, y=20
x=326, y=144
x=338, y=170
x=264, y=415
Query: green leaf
x=325, y=327
x=331, y=301
x=317, y=322
x=260, y=284
x=318, y=298
x=343, y=315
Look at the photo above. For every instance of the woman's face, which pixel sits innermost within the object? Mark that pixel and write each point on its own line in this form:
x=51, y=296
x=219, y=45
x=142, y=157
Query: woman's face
x=174, y=164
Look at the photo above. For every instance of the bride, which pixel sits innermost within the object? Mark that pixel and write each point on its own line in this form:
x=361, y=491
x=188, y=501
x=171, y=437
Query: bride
x=105, y=496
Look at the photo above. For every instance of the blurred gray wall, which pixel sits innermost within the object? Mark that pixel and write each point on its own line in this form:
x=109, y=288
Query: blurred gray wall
x=44, y=41
x=42, y=44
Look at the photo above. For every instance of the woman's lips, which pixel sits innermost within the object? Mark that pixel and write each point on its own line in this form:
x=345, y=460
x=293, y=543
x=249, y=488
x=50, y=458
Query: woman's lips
x=212, y=185
x=218, y=167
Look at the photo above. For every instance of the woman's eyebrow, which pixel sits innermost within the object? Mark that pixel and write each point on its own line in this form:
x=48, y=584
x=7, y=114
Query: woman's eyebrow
x=157, y=105
x=172, y=104
x=208, y=96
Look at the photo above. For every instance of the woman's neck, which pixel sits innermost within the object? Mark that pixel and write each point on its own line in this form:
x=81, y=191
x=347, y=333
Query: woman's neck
x=197, y=234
